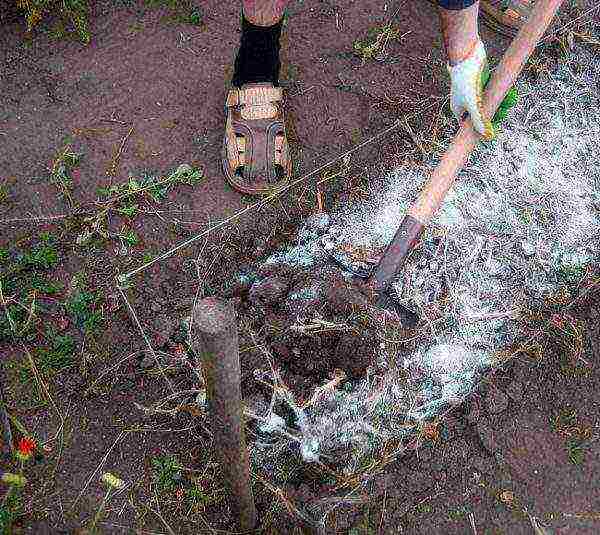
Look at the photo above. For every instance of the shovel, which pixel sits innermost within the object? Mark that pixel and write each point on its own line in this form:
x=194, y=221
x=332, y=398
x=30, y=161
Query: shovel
x=433, y=194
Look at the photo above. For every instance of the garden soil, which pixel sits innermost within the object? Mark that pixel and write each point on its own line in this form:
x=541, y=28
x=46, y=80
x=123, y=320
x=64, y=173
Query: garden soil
x=145, y=96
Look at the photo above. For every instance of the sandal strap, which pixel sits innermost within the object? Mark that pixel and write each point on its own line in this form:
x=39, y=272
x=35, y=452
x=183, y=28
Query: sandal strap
x=255, y=128
x=255, y=101
x=518, y=9
x=515, y=9
x=506, y=16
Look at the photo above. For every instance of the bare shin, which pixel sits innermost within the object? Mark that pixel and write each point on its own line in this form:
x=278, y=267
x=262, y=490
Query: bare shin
x=460, y=32
x=263, y=12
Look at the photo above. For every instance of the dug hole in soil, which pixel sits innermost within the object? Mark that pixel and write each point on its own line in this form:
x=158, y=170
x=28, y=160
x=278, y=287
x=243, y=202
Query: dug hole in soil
x=295, y=306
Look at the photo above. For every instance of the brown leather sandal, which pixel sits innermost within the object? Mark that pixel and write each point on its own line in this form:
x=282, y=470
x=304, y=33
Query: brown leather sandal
x=505, y=16
x=255, y=156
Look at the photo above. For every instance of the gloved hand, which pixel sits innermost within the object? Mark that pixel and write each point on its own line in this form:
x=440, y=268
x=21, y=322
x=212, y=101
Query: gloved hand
x=468, y=79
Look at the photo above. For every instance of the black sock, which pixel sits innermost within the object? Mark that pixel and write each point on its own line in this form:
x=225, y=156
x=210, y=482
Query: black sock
x=257, y=59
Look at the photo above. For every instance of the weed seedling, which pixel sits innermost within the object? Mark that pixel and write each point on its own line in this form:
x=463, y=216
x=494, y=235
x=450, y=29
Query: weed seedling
x=200, y=498
x=125, y=199
x=81, y=306
x=4, y=194
x=576, y=435
x=58, y=354
x=69, y=11
x=113, y=483
x=376, y=41
x=62, y=171
x=457, y=514
x=11, y=504
x=166, y=472
x=43, y=257
x=424, y=509
x=147, y=257
x=182, y=12
x=21, y=281
x=567, y=332
x=129, y=237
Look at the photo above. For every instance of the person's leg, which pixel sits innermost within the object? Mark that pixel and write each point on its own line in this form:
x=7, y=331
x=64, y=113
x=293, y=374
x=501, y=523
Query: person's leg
x=458, y=19
x=257, y=59
x=263, y=12
x=466, y=61
x=256, y=155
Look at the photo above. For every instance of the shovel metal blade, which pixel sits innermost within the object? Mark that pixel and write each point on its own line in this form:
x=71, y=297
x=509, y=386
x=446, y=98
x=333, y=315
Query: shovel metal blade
x=389, y=309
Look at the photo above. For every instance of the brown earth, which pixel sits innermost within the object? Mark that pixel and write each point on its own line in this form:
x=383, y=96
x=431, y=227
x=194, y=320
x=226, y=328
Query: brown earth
x=157, y=89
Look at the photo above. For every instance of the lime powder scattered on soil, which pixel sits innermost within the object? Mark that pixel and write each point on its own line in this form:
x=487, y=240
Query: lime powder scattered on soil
x=522, y=219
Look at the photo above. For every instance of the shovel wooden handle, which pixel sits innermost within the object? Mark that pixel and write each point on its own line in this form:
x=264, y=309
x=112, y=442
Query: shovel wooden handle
x=433, y=194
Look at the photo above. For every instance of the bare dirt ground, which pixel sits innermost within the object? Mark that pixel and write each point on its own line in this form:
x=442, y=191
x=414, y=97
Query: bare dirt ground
x=145, y=96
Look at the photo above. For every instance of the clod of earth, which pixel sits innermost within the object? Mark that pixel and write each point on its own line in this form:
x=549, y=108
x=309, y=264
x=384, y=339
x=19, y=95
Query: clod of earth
x=268, y=291
x=488, y=436
x=496, y=401
x=515, y=390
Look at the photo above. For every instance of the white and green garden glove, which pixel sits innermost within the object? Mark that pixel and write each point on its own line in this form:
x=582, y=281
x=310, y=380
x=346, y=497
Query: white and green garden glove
x=468, y=79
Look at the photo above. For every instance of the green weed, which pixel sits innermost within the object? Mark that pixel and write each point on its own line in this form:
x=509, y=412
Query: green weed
x=567, y=333
x=62, y=171
x=10, y=510
x=13, y=322
x=58, y=354
x=51, y=358
x=182, y=11
x=129, y=237
x=362, y=530
x=572, y=274
x=375, y=42
x=424, y=509
x=125, y=199
x=457, y=514
x=43, y=257
x=82, y=307
x=199, y=498
x=21, y=279
x=74, y=12
x=42, y=285
x=147, y=257
x=575, y=452
x=575, y=434
x=166, y=471
x=4, y=193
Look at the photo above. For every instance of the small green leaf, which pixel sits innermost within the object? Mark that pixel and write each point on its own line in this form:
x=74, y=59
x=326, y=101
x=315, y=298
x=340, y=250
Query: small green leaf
x=196, y=17
x=130, y=238
x=129, y=211
x=158, y=193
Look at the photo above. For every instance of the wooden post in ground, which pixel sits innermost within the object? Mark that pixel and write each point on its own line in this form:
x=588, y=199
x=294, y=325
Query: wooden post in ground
x=215, y=323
